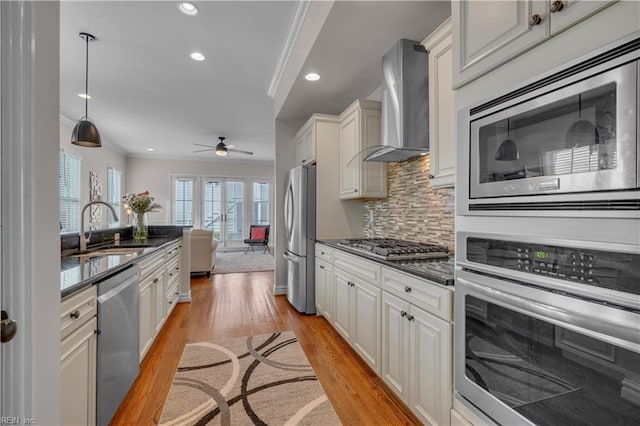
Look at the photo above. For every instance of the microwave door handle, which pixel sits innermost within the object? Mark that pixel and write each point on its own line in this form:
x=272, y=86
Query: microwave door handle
x=624, y=333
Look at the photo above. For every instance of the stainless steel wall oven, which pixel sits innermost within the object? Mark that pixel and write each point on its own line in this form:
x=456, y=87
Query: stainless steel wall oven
x=547, y=330
x=566, y=141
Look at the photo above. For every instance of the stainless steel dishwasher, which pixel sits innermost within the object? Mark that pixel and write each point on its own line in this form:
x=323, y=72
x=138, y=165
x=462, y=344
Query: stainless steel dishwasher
x=118, y=341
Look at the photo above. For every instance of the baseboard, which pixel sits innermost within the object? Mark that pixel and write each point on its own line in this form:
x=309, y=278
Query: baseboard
x=279, y=290
x=184, y=297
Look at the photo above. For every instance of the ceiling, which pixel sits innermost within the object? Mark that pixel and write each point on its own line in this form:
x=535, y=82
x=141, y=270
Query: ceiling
x=148, y=93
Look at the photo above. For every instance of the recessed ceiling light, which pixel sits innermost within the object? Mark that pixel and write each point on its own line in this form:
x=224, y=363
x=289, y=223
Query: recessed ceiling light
x=312, y=76
x=150, y=149
x=84, y=96
x=188, y=8
x=197, y=56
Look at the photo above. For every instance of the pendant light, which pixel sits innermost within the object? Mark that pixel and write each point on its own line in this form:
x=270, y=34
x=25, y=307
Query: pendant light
x=508, y=150
x=85, y=133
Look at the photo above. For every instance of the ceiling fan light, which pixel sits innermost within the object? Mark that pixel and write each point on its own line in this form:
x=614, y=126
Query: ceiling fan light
x=222, y=152
x=86, y=134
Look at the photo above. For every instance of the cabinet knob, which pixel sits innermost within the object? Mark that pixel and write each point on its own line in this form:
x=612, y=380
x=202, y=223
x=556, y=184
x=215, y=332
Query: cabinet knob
x=355, y=190
x=556, y=6
x=403, y=314
x=410, y=317
x=170, y=302
x=321, y=267
x=407, y=289
x=155, y=280
x=75, y=315
x=431, y=176
x=535, y=20
x=177, y=292
x=170, y=274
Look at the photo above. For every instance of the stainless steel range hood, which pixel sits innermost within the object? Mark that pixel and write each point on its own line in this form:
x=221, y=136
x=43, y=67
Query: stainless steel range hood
x=405, y=103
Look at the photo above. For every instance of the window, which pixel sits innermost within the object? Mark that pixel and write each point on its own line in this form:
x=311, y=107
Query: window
x=212, y=200
x=183, y=201
x=114, y=189
x=69, y=177
x=261, y=203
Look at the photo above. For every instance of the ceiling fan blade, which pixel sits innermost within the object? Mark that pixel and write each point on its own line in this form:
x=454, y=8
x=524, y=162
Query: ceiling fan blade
x=208, y=146
x=240, y=151
x=203, y=150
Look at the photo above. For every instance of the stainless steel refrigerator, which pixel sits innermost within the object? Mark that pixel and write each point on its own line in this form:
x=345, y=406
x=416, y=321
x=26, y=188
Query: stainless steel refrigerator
x=300, y=233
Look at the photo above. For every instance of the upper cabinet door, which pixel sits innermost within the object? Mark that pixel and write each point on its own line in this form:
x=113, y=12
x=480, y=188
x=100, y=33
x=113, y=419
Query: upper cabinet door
x=441, y=107
x=489, y=33
x=565, y=13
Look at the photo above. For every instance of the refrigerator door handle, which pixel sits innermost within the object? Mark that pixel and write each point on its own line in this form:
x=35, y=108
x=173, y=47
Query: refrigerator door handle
x=288, y=211
x=293, y=259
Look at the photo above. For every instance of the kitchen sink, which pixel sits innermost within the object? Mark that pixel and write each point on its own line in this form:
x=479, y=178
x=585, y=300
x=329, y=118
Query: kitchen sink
x=116, y=251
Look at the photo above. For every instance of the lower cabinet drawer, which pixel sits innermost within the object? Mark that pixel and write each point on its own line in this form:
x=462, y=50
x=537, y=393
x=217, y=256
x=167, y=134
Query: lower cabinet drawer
x=430, y=297
x=75, y=310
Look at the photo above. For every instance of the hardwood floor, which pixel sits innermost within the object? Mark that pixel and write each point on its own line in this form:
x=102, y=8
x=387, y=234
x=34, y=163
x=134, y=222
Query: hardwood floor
x=235, y=305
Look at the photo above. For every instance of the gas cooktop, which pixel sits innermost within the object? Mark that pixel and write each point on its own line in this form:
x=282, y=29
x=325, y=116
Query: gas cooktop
x=392, y=249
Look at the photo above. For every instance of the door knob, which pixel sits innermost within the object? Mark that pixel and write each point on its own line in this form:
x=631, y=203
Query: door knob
x=9, y=328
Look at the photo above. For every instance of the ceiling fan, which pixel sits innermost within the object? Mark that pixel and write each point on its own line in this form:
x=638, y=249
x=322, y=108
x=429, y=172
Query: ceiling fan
x=222, y=149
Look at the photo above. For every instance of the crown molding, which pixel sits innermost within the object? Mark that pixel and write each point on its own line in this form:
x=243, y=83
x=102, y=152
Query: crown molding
x=238, y=161
x=295, y=26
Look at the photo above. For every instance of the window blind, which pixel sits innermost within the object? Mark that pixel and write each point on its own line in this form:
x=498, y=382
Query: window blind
x=69, y=178
x=183, y=201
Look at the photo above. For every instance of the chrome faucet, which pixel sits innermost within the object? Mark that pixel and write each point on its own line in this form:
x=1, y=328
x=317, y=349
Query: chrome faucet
x=84, y=240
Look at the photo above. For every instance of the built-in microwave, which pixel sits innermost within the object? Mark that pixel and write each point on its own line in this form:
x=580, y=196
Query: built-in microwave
x=567, y=141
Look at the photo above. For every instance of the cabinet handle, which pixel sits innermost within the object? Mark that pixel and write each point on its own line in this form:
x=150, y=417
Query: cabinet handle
x=177, y=268
x=431, y=176
x=350, y=283
x=177, y=292
x=403, y=314
x=75, y=314
x=355, y=190
x=321, y=267
x=556, y=6
x=410, y=317
x=155, y=280
x=407, y=289
x=321, y=252
x=170, y=274
x=170, y=302
x=535, y=20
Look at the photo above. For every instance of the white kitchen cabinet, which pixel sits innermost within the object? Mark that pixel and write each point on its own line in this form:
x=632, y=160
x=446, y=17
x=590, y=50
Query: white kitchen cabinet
x=152, y=312
x=309, y=136
x=324, y=289
x=486, y=34
x=442, y=143
x=359, y=130
x=357, y=315
x=78, y=358
x=417, y=344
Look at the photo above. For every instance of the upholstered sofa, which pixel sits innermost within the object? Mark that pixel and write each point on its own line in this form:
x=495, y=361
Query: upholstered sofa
x=203, y=251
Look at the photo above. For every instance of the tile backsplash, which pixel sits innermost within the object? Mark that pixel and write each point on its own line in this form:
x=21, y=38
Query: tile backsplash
x=413, y=210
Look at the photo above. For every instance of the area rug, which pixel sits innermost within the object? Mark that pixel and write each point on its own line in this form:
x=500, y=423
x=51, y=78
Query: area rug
x=234, y=261
x=261, y=380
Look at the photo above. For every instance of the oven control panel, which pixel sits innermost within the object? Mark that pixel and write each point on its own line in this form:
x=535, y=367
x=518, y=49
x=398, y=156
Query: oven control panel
x=606, y=269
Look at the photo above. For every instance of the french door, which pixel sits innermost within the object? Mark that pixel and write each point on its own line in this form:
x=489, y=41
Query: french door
x=223, y=209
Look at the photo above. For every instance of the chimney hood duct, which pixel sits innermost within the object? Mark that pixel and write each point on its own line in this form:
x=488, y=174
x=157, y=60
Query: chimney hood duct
x=405, y=103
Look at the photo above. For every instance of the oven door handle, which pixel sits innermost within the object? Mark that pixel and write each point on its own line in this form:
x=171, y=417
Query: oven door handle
x=616, y=326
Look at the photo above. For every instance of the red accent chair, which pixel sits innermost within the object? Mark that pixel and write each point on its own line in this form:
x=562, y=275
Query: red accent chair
x=258, y=236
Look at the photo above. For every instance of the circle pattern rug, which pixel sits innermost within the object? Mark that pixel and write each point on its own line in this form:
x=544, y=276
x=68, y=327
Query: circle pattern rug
x=257, y=380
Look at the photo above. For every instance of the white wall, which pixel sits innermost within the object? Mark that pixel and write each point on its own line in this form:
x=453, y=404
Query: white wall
x=154, y=175
x=94, y=160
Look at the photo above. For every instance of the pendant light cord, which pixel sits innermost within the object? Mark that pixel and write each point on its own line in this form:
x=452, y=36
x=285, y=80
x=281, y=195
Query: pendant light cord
x=86, y=78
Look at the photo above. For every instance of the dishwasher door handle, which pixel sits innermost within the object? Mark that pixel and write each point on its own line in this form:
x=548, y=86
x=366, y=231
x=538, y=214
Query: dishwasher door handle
x=116, y=290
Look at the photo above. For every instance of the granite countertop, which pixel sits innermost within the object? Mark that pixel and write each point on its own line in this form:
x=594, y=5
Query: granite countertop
x=79, y=273
x=438, y=270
